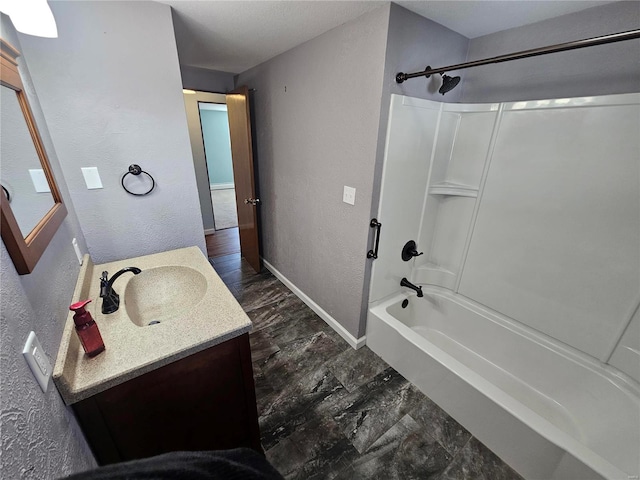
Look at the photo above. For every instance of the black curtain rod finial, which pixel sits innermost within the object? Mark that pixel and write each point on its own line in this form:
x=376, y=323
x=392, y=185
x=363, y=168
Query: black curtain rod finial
x=401, y=77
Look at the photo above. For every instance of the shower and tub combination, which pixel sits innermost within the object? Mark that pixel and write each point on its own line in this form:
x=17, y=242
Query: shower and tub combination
x=528, y=328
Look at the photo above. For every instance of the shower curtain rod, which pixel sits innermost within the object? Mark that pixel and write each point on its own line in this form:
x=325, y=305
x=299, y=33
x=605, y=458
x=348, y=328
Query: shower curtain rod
x=534, y=52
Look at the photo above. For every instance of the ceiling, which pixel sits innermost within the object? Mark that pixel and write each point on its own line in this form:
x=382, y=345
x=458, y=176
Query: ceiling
x=482, y=17
x=233, y=36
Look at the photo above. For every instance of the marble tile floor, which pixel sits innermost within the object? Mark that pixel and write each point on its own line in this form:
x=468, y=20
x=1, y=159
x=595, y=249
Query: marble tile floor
x=327, y=411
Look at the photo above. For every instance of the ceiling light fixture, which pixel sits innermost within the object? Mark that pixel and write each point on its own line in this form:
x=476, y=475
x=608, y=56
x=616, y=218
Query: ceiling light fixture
x=188, y=92
x=33, y=17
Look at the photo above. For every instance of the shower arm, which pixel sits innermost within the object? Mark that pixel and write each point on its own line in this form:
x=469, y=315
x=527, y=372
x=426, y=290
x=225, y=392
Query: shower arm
x=534, y=52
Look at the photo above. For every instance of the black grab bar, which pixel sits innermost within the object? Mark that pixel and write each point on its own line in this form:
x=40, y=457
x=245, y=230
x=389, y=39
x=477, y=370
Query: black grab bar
x=374, y=252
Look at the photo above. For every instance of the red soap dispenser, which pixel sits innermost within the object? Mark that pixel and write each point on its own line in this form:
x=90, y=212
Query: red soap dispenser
x=87, y=329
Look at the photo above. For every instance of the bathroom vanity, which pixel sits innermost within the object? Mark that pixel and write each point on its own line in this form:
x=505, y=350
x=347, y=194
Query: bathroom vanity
x=176, y=373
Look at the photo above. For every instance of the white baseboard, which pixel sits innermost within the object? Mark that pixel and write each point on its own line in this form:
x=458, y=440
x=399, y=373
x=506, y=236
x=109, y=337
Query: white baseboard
x=221, y=186
x=332, y=322
x=209, y=231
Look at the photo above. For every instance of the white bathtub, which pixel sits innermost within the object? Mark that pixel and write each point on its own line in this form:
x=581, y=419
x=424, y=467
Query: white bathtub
x=544, y=408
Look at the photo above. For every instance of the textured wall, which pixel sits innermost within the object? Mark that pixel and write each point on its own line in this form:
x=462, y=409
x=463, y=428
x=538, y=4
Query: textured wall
x=415, y=42
x=601, y=70
x=317, y=110
x=39, y=435
x=111, y=92
x=205, y=80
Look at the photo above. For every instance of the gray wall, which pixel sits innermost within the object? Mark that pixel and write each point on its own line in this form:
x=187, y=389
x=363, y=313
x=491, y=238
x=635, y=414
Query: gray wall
x=40, y=437
x=111, y=92
x=415, y=42
x=317, y=110
x=205, y=80
x=601, y=70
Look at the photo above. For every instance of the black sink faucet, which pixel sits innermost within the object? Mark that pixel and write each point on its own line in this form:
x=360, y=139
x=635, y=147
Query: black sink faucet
x=110, y=299
x=406, y=283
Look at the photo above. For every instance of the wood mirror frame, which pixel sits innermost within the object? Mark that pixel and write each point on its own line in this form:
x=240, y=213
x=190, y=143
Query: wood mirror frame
x=26, y=251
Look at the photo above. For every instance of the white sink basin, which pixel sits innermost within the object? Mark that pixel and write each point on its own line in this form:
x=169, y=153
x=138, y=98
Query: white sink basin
x=161, y=294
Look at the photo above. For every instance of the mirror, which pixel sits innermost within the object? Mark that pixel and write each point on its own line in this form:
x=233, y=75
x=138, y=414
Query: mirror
x=30, y=203
x=21, y=175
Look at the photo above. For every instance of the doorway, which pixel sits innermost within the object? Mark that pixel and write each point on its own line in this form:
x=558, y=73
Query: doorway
x=210, y=146
x=214, y=123
x=219, y=127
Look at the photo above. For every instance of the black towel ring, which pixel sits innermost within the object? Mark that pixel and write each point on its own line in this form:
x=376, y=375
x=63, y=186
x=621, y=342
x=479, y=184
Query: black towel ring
x=6, y=192
x=137, y=170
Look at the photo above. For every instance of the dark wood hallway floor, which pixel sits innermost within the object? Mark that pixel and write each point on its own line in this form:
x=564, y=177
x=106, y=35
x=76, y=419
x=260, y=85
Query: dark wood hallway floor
x=223, y=242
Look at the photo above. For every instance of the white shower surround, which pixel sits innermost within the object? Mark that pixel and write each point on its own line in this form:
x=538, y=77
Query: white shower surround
x=515, y=313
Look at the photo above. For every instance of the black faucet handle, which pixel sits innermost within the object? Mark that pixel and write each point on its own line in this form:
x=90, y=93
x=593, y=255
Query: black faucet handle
x=410, y=250
x=104, y=284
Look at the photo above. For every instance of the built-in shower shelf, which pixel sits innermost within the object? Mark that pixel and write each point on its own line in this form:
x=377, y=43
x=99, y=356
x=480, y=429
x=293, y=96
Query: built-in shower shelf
x=453, y=189
x=434, y=268
x=432, y=274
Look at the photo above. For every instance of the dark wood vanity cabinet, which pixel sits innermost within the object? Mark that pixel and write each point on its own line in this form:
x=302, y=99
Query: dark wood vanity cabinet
x=205, y=401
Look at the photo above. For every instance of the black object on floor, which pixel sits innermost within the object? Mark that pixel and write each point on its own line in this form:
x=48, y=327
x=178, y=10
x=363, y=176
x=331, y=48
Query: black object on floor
x=237, y=464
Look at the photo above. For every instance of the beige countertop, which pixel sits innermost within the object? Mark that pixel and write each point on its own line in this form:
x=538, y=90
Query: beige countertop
x=132, y=350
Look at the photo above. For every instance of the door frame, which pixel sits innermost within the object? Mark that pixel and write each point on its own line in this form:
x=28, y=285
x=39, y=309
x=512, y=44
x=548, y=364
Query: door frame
x=191, y=101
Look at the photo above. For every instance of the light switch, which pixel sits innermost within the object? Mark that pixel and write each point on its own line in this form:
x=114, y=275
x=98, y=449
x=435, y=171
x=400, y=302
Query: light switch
x=92, y=177
x=37, y=361
x=39, y=180
x=349, y=195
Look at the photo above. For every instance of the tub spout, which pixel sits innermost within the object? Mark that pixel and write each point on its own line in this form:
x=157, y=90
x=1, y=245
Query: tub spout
x=406, y=283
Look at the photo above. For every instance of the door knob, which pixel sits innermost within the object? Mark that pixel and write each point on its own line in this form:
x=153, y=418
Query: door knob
x=252, y=201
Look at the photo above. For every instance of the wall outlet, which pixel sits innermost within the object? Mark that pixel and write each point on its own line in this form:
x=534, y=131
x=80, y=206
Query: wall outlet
x=37, y=361
x=349, y=195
